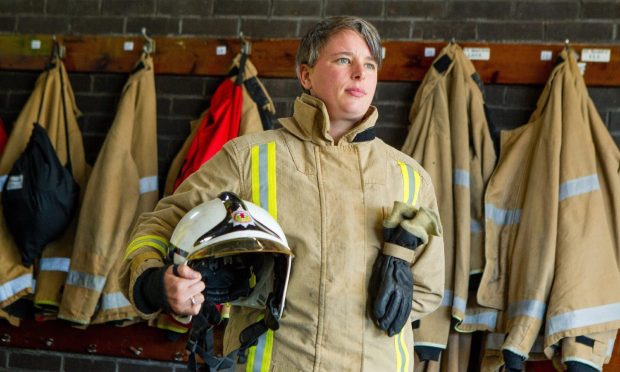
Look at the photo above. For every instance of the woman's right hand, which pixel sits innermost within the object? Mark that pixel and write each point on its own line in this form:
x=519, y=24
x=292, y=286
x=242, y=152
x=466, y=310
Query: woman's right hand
x=184, y=288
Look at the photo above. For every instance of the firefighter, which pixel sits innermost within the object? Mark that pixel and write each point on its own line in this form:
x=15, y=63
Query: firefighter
x=359, y=216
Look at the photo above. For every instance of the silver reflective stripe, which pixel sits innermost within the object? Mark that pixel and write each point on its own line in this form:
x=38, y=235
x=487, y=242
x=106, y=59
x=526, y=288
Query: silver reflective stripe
x=488, y=318
x=12, y=287
x=2, y=181
x=264, y=180
x=475, y=226
x=459, y=304
x=502, y=216
x=579, y=186
x=446, y=300
x=55, y=264
x=461, y=177
x=583, y=318
x=495, y=341
x=84, y=280
x=610, y=346
x=531, y=308
x=259, y=353
x=114, y=300
x=148, y=184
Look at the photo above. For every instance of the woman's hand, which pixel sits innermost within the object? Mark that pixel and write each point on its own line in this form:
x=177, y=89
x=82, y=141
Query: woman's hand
x=184, y=288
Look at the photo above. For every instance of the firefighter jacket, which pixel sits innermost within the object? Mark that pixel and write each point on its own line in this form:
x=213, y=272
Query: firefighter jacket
x=552, y=227
x=51, y=98
x=256, y=114
x=123, y=185
x=450, y=137
x=330, y=200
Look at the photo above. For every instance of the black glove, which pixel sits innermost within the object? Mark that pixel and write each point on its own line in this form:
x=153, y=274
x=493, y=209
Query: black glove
x=391, y=293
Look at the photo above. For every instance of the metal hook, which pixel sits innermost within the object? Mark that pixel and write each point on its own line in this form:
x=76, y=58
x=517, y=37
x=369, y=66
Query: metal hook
x=58, y=50
x=453, y=40
x=246, y=47
x=567, y=44
x=149, y=46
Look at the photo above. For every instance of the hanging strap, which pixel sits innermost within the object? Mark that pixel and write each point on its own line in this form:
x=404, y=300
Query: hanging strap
x=64, y=111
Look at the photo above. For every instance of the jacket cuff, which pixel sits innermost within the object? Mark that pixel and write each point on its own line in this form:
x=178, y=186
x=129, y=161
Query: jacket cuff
x=395, y=250
x=149, y=291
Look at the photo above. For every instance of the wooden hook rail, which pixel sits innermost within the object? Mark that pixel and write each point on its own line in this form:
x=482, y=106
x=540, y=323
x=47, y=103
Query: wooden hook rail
x=405, y=60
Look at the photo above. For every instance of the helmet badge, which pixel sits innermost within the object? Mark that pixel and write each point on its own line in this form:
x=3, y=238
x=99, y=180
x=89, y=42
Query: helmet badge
x=241, y=217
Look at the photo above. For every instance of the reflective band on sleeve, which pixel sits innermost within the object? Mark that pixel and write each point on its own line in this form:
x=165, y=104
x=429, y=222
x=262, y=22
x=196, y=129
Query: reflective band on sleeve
x=259, y=356
x=447, y=297
x=532, y=308
x=2, y=181
x=264, y=177
x=153, y=241
x=459, y=304
x=402, y=352
x=115, y=300
x=460, y=177
x=411, y=183
x=13, y=287
x=488, y=318
x=84, y=280
x=583, y=318
x=148, y=184
x=55, y=264
x=579, y=186
x=502, y=216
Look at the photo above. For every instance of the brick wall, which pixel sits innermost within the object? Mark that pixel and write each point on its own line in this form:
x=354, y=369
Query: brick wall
x=182, y=98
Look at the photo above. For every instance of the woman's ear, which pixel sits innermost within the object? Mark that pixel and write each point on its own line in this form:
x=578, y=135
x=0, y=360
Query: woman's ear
x=304, y=76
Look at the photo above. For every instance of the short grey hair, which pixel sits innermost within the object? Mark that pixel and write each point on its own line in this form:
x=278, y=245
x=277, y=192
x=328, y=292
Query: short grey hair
x=316, y=38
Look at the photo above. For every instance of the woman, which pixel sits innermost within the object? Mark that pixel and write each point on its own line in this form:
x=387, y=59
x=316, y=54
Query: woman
x=331, y=184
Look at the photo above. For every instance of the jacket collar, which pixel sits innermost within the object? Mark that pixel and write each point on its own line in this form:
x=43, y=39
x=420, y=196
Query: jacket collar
x=310, y=122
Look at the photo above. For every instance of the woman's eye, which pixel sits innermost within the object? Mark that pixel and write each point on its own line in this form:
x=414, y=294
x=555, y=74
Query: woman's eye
x=342, y=60
x=371, y=66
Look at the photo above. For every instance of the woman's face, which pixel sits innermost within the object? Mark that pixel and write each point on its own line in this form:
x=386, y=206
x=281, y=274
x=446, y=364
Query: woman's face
x=344, y=76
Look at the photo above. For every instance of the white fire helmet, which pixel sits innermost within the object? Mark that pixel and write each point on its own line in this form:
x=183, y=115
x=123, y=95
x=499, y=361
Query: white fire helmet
x=228, y=227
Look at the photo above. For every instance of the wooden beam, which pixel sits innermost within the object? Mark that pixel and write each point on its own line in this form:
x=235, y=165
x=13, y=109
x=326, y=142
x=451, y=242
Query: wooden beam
x=405, y=60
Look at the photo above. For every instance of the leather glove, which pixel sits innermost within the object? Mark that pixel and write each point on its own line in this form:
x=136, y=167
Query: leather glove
x=392, y=293
x=391, y=281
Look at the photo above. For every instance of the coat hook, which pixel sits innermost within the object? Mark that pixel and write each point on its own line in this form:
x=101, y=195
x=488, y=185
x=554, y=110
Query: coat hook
x=149, y=46
x=58, y=49
x=246, y=47
x=567, y=44
x=453, y=40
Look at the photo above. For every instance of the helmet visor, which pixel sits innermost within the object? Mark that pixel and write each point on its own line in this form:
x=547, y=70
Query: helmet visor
x=239, y=246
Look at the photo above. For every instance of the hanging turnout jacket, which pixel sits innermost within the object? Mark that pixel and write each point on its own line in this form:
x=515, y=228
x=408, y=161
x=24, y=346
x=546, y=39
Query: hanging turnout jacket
x=123, y=184
x=257, y=112
x=334, y=228
x=50, y=93
x=450, y=137
x=552, y=229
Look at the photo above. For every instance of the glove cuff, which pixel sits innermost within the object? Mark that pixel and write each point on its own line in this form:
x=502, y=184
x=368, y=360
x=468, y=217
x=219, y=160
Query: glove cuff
x=395, y=250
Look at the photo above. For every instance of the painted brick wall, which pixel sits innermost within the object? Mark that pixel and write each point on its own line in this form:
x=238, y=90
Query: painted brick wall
x=182, y=98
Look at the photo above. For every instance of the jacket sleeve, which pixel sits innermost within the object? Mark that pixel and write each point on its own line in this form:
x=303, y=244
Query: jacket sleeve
x=428, y=265
x=150, y=240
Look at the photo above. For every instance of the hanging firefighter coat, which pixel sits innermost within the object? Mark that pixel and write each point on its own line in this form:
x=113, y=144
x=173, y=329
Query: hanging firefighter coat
x=49, y=94
x=334, y=227
x=123, y=185
x=256, y=113
x=552, y=227
x=450, y=137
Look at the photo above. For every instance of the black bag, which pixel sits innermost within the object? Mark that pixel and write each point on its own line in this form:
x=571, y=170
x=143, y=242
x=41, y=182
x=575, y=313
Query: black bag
x=40, y=195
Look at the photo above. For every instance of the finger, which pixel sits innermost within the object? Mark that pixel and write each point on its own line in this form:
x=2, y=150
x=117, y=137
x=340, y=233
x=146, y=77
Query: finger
x=391, y=310
x=382, y=300
x=400, y=320
x=187, y=272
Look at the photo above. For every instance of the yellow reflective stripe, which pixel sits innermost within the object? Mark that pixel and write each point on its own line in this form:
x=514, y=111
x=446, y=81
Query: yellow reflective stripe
x=259, y=355
x=255, y=176
x=411, y=183
x=153, y=241
x=263, y=157
x=402, y=354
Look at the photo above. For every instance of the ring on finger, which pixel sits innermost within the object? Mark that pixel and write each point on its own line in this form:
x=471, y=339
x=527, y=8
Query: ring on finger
x=193, y=300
